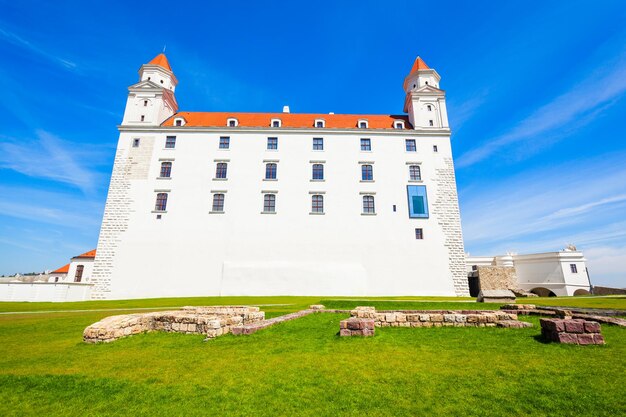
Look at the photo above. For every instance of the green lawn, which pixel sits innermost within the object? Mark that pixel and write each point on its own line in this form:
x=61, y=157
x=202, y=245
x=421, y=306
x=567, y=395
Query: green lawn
x=302, y=368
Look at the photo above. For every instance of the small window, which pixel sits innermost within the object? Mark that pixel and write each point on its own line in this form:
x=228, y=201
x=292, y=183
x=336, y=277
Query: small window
x=56, y=279
x=429, y=107
x=320, y=123
x=179, y=122
x=145, y=103
x=276, y=123
x=362, y=124
x=166, y=169
x=317, y=203
x=170, y=142
x=270, y=171
x=368, y=204
x=161, y=81
x=573, y=268
x=318, y=144
x=272, y=143
x=430, y=123
x=232, y=122
x=220, y=171
x=366, y=145
x=426, y=82
x=79, y=273
x=398, y=124
x=269, y=203
x=435, y=149
x=318, y=171
x=136, y=143
x=410, y=145
x=161, y=202
x=218, y=202
x=224, y=142
x=367, y=173
x=415, y=173
x=143, y=118
x=394, y=208
x=419, y=234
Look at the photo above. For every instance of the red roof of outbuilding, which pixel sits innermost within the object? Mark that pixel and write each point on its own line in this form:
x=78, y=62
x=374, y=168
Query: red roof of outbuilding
x=90, y=254
x=62, y=270
x=295, y=120
x=161, y=61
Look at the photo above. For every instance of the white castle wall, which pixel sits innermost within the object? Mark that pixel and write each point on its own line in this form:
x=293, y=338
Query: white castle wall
x=191, y=251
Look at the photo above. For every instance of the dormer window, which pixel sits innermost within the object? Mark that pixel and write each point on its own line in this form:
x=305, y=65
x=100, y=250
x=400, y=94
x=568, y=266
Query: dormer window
x=320, y=123
x=398, y=124
x=362, y=124
x=276, y=123
x=179, y=121
x=232, y=122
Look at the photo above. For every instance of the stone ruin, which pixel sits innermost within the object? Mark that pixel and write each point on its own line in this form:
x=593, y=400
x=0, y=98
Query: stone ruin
x=571, y=331
x=355, y=326
x=440, y=318
x=210, y=321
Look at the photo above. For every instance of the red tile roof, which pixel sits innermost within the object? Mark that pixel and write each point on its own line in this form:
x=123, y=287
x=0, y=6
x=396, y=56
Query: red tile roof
x=297, y=120
x=90, y=254
x=419, y=64
x=161, y=61
x=62, y=270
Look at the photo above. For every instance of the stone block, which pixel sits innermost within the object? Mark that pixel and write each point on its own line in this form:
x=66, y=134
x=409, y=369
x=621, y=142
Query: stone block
x=449, y=318
x=436, y=318
x=592, y=327
x=598, y=339
x=317, y=307
x=569, y=338
x=574, y=326
x=585, y=339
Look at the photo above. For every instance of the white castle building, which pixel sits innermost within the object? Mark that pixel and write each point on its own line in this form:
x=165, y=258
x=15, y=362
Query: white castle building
x=280, y=203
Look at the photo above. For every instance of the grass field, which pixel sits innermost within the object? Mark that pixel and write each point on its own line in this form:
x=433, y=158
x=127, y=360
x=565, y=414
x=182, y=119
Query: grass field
x=302, y=368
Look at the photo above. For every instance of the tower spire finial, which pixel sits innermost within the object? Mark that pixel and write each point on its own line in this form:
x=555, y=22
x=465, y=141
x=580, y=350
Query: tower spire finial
x=164, y=46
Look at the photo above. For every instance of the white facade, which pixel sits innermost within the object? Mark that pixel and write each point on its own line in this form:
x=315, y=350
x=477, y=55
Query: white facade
x=561, y=273
x=192, y=248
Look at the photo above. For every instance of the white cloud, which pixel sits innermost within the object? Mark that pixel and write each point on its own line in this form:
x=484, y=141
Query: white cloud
x=50, y=158
x=29, y=46
x=581, y=100
x=607, y=265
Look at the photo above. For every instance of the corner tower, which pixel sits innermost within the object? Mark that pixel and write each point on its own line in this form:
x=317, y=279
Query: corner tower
x=425, y=102
x=151, y=101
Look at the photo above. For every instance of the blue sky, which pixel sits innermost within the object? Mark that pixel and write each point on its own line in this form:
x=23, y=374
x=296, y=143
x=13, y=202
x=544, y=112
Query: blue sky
x=536, y=99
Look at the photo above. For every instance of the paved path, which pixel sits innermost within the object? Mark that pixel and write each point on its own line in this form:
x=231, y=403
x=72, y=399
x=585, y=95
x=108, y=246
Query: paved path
x=118, y=309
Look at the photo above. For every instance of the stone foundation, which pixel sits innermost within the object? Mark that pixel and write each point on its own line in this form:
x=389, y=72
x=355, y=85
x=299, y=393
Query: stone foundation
x=571, y=331
x=439, y=318
x=355, y=326
x=210, y=321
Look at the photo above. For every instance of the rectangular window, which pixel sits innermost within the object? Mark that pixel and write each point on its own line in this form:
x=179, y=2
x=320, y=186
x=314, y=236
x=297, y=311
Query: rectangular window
x=220, y=170
x=410, y=145
x=418, y=202
x=317, y=203
x=318, y=144
x=269, y=203
x=218, y=202
x=367, y=173
x=270, y=171
x=419, y=234
x=415, y=173
x=161, y=202
x=318, y=171
x=79, y=273
x=435, y=149
x=366, y=145
x=224, y=142
x=573, y=268
x=368, y=204
x=135, y=143
x=170, y=142
x=272, y=143
x=166, y=169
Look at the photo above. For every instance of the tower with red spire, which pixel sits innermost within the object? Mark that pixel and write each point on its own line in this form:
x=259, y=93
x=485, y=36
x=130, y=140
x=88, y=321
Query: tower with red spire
x=151, y=101
x=425, y=102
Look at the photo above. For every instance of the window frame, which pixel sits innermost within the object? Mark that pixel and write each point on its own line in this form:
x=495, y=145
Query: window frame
x=317, y=204
x=170, y=142
x=366, y=144
x=317, y=172
x=269, y=171
x=398, y=124
x=418, y=177
x=232, y=122
x=161, y=202
x=361, y=122
x=166, y=169
x=319, y=121
x=276, y=121
x=221, y=170
x=224, y=140
x=217, y=205
x=269, y=203
x=419, y=233
x=367, y=168
x=78, y=275
x=368, y=205
x=413, y=143
x=272, y=143
x=136, y=142
x=319, y=145
x=573, y=268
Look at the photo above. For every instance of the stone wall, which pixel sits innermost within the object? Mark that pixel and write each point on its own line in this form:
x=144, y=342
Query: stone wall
x=608, y=291
x=438, y=318
x=497, y=278
x=571, y=331
x=209, y=321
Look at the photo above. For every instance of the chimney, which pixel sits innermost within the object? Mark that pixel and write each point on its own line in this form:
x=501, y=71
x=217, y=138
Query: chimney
x=285, y=109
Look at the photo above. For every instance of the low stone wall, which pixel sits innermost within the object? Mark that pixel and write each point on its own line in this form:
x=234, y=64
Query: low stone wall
x=608, y=291
x=438, y=318
x=210, y=321
x=531, y=309
x=571, y=331
x=264, y=324
x=355, y=326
